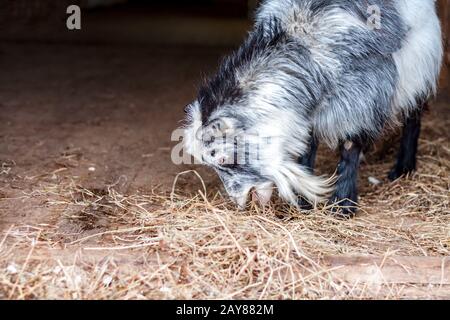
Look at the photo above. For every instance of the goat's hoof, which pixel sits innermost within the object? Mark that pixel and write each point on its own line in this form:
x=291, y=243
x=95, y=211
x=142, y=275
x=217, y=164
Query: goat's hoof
x=397, y=173
x=304, y=205
x=344, y=209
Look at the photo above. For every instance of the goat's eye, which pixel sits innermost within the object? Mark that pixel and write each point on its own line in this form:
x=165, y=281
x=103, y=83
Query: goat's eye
x=216, y=126
x=213, y=153
x=209, y=139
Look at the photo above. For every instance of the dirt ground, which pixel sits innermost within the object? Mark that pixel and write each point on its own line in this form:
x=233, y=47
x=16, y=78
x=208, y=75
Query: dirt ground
x=94, y=121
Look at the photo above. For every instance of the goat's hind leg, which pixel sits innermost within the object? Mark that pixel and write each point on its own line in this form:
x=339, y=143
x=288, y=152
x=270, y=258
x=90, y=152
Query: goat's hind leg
x=407, y=155
x=345, y=196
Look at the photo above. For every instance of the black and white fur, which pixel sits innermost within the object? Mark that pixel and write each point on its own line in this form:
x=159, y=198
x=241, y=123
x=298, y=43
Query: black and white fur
x=316, y=70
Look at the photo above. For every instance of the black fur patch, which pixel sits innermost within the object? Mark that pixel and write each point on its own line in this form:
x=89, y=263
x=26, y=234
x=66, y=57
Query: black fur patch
x=407, y=156
x=346, y=189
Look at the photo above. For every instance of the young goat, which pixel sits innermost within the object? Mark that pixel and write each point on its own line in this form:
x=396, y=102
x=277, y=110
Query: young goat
x=340, y=71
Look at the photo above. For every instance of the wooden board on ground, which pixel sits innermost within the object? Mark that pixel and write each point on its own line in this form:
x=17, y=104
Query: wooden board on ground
x=391, y=270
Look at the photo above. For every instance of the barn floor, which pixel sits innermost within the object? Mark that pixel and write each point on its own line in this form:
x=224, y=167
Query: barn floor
x=86, y=209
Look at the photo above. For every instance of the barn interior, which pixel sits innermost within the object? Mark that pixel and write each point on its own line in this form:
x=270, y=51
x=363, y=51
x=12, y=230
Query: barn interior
x=86, y=118
x=117, y=75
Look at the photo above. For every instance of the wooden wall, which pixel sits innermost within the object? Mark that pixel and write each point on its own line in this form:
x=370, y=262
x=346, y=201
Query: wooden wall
x=444, y=12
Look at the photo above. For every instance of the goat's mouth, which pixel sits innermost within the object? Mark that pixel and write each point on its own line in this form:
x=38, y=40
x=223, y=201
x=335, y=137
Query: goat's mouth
x=260, y=194
x=263, y=193
x=240, y=201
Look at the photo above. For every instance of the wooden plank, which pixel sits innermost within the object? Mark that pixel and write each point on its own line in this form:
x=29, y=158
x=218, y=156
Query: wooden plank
x=417, y=292
x=444, y=13
x=390, y=270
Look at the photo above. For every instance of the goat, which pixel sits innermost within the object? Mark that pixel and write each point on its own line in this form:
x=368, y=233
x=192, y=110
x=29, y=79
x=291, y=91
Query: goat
x=310, y=71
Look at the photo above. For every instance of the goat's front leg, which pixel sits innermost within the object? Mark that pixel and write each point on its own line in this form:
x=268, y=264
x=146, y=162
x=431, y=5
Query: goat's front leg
x=308, y=161
x=345, y=196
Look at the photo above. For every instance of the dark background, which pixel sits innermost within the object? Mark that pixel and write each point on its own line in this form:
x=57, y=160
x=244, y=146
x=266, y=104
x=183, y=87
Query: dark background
x=132, y=21
x=179, y=22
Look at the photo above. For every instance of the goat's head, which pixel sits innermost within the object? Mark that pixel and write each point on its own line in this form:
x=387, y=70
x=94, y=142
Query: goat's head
x=248, y=155
x=227, y=144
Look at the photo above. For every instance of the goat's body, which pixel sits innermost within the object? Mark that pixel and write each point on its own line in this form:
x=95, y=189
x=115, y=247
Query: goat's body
x=371, y=76
x=318, y=67
x=419, y=60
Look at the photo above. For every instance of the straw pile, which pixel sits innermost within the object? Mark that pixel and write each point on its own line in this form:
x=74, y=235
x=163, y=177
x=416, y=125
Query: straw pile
x=192, y=245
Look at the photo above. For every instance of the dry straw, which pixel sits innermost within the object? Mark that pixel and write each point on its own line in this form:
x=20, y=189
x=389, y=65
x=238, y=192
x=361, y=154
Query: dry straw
x=193, y=245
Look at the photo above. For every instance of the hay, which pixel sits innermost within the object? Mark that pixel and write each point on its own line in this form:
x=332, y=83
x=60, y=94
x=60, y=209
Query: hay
x=175, y=246
x=181, y=245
